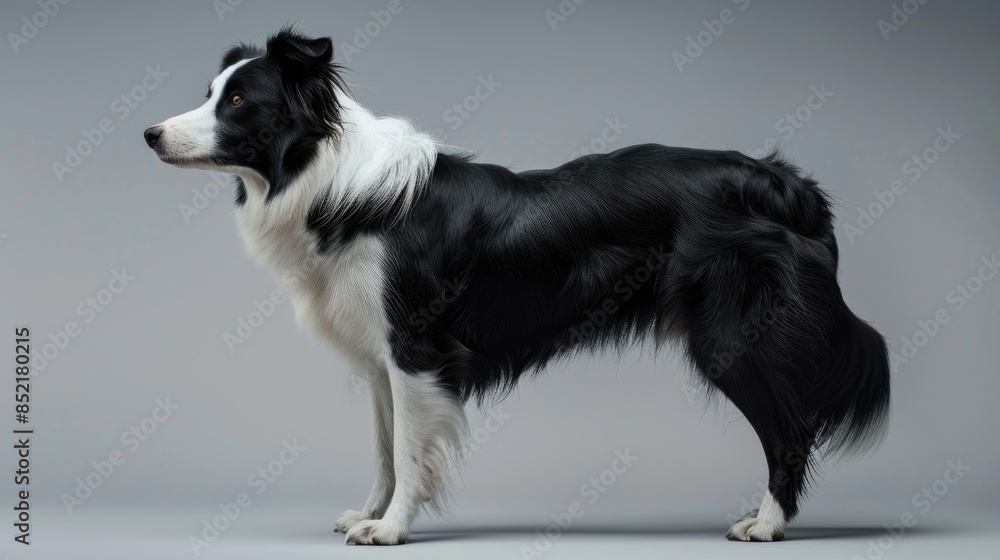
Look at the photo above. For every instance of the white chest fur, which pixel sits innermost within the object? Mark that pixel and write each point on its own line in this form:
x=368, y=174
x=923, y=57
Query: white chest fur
x=337, y=296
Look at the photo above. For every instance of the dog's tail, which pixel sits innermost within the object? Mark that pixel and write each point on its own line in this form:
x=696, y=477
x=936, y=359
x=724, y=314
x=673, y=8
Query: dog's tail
x=852, y=399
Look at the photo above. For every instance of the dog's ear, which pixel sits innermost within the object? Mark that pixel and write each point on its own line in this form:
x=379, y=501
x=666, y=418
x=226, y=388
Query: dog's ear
x=310, y=79
x=300, y=55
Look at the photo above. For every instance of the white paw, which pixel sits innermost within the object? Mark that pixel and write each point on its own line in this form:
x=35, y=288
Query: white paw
x=753, y=528
x=377, y=531
x=350, y=519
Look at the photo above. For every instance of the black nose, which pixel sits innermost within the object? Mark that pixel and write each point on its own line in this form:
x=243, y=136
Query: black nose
x=152, y=136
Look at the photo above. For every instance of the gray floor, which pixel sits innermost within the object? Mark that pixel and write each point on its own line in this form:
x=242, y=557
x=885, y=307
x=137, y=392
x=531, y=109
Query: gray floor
x=297, y=534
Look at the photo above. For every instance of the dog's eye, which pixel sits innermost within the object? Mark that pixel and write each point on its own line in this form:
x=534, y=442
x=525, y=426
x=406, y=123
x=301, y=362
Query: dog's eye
x=236, y=100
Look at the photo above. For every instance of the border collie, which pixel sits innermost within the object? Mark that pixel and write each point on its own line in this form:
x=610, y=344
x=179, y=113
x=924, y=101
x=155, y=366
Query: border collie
x=444, y=280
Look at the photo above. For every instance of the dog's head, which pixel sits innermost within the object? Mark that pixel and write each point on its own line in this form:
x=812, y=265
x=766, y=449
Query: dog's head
x=266, y=115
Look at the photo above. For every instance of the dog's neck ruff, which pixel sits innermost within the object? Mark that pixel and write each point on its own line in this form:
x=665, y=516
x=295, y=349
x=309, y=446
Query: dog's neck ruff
x=381, y=163
x=375, y=166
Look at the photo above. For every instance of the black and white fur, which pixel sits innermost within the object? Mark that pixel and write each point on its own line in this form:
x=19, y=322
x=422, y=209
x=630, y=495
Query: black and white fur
x=366, y=220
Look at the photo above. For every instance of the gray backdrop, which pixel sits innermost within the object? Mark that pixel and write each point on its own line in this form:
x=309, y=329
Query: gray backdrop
x=849, y=90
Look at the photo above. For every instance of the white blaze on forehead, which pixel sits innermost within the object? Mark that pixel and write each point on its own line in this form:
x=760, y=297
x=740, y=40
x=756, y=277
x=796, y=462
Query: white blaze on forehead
x=192, y=134
x=219, y=83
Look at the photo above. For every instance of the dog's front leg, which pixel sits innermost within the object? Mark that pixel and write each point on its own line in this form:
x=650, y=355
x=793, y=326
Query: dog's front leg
x=385, y=479
x=428, y=424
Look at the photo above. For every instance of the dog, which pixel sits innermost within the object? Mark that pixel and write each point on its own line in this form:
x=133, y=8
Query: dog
x=444, y=280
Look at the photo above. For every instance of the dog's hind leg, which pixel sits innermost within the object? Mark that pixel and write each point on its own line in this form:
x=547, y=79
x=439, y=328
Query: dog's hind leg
x=787, y=443
x=428, y=426
x=748, y=339
x=385, y=478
